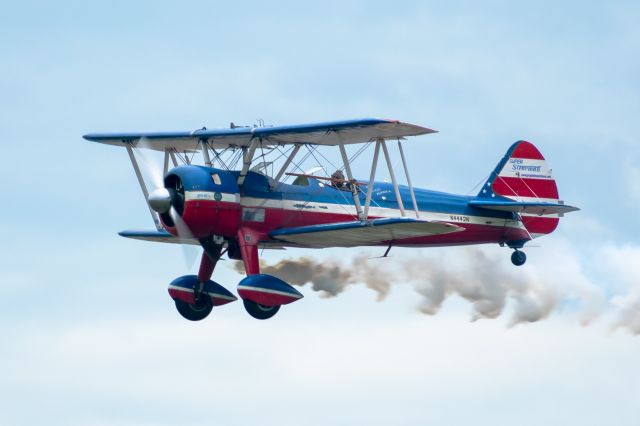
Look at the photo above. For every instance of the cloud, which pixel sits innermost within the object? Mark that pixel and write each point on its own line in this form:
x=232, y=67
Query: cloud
x=164, y=370
x=628, y=312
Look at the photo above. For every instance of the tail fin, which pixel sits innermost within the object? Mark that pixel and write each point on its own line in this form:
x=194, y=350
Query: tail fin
x=524, y=175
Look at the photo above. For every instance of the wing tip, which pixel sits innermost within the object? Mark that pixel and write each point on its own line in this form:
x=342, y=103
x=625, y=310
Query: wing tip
x=421, y=129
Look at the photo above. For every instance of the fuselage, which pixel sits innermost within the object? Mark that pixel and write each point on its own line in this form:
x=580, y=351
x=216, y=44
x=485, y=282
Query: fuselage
x=217, y=205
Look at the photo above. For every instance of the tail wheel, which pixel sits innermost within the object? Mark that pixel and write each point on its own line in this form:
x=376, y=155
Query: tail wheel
x=195, y=311
x=518, y=258
x=259, y=311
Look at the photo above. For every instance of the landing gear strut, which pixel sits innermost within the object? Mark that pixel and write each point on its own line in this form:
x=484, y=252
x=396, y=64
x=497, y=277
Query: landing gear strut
x=261, y=294
x=248, y=245
x=196, y=295
x=518, y=257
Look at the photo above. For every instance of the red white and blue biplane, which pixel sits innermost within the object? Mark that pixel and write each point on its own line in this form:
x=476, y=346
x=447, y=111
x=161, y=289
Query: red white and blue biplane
x=232, y=204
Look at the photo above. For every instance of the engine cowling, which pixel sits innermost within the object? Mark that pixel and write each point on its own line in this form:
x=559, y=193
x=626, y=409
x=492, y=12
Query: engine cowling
x=206, y=199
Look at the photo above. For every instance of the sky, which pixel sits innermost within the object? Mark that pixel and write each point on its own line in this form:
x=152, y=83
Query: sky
x=90, y=336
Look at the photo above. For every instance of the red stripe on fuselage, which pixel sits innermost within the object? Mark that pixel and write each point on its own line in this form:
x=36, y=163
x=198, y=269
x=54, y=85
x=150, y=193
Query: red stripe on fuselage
x=274, y=218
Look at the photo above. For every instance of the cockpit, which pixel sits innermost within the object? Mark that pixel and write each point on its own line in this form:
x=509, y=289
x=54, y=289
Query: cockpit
x=336, y=181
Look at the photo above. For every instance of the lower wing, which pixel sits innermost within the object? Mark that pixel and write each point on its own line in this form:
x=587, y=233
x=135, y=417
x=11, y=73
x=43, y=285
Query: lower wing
x=357, y=233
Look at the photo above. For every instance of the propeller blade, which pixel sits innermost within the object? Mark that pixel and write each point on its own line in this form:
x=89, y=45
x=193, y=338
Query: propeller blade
x=189, y=252
x=151, y=169
x=160, y=200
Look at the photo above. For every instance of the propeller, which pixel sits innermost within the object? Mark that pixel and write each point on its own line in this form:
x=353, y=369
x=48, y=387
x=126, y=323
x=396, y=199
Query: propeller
x=160, y=200
x=165, y=200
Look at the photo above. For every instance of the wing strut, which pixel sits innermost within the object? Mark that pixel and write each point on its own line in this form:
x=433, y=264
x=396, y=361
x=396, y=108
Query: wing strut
x=247, y=157
x=145, y=192
x=354, y=188
x=406, y=172
x=372, y=178
x=205, y=152
x=173, y=158
x=165, y=167
x=393, y=176
x=286, y=164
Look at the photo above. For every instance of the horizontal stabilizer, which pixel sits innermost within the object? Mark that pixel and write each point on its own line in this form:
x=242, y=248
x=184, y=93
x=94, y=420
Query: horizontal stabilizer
x=357, y=233
x=538, y=208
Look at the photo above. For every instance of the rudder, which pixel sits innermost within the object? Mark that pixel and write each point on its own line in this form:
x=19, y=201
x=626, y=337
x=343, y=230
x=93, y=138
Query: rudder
x=524, y=175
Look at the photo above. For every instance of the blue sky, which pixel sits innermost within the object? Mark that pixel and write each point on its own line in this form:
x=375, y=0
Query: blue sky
x=89, y=332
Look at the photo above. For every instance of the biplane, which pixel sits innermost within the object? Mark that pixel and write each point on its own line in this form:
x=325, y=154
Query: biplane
x=239, y=202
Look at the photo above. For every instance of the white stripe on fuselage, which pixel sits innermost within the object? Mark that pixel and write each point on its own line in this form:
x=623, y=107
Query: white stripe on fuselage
x=211, y=196
x=375, y=211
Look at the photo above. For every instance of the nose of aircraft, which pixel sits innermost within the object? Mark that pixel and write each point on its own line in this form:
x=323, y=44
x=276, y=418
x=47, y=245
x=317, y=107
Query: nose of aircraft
x=160, y=200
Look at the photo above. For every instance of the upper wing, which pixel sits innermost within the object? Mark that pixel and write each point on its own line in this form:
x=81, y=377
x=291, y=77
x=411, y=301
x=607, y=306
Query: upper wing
x=356, y=233
x=540, y=208
x=329, y=133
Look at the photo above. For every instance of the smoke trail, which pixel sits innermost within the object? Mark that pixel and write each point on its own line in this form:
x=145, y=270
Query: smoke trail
x=487, y=281
x=330, y=278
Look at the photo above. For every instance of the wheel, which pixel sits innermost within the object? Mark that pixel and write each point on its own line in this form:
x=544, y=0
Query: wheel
x=197, y=311
x=259, y=311
x=518, y=258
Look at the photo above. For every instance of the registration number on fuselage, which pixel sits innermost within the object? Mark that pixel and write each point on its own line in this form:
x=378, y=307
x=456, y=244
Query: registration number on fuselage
x=457, y=218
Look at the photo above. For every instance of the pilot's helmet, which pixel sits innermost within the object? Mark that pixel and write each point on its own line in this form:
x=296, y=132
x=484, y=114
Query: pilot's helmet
x=337, y=179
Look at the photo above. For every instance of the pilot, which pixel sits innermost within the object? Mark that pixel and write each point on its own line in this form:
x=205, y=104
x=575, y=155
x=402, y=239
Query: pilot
x=337, y=179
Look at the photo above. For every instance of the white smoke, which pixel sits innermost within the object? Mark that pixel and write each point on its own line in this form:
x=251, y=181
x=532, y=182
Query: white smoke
x=330, y=278
x=487, y=280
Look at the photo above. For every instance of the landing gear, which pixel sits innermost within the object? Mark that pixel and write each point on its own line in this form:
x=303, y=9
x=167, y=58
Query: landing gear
x=261, y=294
x=195, y=311
x=259, y=311
x=196, y=295
x=518, y=257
